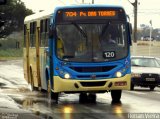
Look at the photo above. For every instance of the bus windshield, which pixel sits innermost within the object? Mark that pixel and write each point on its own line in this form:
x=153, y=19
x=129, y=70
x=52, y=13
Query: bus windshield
x=91, y=42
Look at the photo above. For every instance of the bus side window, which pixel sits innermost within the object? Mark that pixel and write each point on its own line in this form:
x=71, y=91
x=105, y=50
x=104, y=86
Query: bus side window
x=25, y=33
x=47, y=22
x=42, y=33
x=32, y=34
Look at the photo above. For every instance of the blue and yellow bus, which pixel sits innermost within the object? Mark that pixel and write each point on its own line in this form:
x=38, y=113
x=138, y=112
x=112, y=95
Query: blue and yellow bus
x=78, y=49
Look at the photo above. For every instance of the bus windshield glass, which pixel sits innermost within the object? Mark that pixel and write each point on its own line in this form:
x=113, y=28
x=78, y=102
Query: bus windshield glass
x=91, y=42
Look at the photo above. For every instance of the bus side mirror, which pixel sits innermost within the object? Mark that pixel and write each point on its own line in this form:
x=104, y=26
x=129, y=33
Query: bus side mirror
x=130, y=32
x=52, y=31
x=130, y=28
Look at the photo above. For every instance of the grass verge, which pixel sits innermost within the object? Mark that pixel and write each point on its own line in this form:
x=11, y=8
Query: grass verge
x=11, y=54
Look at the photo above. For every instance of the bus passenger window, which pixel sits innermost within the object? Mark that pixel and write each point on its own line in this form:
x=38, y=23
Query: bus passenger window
x=25, y=35
x=46, y=31
x=42, y=33
x=32, y=34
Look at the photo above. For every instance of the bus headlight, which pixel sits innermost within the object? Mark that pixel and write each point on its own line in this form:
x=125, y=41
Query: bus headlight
x=118, y=74
x=67, y=76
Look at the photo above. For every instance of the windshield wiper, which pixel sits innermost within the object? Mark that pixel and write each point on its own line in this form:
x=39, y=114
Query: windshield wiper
x=81, y=31
x=104, y=29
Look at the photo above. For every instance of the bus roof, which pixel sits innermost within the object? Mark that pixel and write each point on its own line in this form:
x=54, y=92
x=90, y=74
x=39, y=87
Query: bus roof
x=39, y=15
x=88, y=6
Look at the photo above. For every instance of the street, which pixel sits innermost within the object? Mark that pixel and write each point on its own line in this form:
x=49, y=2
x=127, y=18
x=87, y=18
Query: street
x=17, y=101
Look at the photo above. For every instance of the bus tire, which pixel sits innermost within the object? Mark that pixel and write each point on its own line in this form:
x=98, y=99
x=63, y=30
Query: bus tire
x=92, y=98
x=116, y=96
x=31, y=80
x=151, y=88
x=52, y=96
x=33, y=88
x=83, y=98
x=132, y=86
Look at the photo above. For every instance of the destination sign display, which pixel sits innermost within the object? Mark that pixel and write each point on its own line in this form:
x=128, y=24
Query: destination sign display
x=70, y=15
x=99, y=13
x=90, y=14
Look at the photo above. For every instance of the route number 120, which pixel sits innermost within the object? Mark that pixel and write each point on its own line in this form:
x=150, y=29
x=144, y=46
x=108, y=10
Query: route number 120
x=109, y=54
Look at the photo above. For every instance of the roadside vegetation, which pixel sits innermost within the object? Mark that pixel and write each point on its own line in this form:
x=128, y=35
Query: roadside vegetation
x=11, y=48
x=11, y=29
x=11, y=54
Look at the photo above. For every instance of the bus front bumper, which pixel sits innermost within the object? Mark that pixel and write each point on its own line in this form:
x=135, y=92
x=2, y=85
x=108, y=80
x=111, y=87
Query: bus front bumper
x=71, y=85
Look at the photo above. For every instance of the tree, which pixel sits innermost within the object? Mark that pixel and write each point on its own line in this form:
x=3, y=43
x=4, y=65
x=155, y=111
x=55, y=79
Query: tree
x=3, y=2
x=145, y=32
x=13, y=16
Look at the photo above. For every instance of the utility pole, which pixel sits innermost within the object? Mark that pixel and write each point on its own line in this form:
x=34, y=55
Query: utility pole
x=92, y=1
x=150, y=37
x=135, y=19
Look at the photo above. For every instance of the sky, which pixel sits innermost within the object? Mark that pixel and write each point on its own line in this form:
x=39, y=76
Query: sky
x=147, y=9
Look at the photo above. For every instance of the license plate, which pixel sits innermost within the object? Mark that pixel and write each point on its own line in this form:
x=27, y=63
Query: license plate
x=150, y=79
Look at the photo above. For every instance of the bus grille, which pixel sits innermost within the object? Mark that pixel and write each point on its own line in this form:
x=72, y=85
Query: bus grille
x=90, y=76
x=93, y=69
x=91, y=84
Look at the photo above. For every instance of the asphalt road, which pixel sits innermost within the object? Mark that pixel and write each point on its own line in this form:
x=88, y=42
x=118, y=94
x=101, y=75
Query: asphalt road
x=18, y=102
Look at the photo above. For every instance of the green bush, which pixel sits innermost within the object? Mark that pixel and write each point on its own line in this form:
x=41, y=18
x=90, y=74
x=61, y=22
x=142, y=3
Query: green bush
x=9, y=48
x=11, y=53
x=10, y=43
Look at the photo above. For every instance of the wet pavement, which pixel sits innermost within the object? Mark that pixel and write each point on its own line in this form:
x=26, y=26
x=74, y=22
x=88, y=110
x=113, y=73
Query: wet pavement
x=16, y=100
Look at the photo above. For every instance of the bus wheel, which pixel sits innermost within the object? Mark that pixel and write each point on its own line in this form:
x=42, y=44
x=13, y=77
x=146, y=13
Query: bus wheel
x=132, y=86
x=31, y=80
x=92, y=97
x=52, y=97
x=83, y=98
x=151, y=88
x=116, y=96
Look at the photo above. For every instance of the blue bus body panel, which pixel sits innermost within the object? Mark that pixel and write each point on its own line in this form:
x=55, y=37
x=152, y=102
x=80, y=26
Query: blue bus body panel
x=85, y=71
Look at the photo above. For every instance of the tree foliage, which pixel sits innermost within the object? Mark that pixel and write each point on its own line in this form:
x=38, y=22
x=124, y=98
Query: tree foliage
x=145, y=32
x=13, y=14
